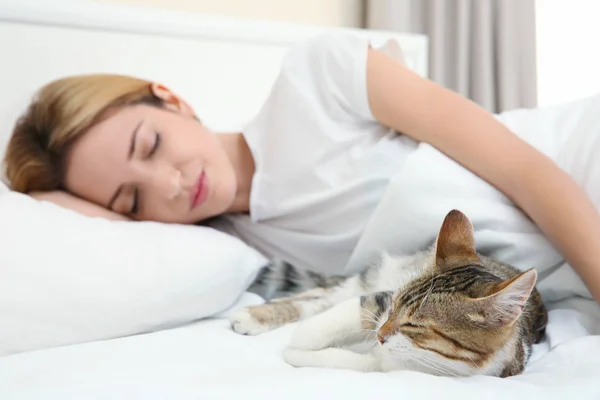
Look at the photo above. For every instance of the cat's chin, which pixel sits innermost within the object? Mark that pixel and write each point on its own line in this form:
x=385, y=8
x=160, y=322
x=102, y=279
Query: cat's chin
x=398, y=353
x=397, y=344
x=397, y=350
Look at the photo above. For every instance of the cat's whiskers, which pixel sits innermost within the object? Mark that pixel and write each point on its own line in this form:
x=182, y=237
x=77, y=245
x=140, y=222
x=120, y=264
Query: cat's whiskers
x=341, y=340
x=374, y=320
x=456, y=368
x=370, y=317
x=369, y=341
x=428, y=364
x=472, y=361
x=433, y=364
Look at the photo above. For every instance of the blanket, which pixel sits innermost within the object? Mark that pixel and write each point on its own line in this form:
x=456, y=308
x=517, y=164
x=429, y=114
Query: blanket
x=206, y=360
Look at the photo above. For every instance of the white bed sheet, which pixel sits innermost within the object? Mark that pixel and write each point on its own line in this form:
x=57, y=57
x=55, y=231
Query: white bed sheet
x=206, y=360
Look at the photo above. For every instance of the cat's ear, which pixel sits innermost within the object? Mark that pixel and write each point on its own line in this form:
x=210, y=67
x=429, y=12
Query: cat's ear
x=506, y=300
x=455, y=245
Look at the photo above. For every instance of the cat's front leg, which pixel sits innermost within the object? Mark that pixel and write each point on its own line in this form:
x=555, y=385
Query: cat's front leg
x=278, y=312
x=314, y=341
x=255, y=320
x=340, y=324
x=332, y=358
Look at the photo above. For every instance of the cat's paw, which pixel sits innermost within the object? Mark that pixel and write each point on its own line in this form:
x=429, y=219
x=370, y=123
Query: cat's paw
x=245, y=322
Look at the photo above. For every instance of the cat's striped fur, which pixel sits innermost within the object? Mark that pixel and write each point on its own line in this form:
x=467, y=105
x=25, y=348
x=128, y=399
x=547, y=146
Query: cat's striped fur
x=446, y=311
x=281, y=279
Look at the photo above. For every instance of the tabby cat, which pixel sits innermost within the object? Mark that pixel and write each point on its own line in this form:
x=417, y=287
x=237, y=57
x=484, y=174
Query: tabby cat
x=445, y=311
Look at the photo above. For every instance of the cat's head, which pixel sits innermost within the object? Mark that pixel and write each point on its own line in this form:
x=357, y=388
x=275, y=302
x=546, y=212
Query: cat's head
x=457, y=317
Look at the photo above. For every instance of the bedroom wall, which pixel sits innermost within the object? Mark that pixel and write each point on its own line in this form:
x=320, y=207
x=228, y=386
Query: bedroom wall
x=307, y=12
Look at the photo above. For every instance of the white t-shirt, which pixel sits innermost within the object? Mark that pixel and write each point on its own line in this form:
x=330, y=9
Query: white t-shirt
x=322, y=160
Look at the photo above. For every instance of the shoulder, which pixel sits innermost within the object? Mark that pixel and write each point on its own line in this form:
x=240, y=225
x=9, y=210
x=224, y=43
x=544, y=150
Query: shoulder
x=331, y=69
x=340, y=47
x=332, y=49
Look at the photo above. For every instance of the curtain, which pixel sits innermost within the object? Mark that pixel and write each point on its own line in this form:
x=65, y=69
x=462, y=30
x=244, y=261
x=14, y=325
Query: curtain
x=483, y=49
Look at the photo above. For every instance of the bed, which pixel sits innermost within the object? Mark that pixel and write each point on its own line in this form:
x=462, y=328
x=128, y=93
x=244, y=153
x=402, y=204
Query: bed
x=207, y=361
x=225, y=67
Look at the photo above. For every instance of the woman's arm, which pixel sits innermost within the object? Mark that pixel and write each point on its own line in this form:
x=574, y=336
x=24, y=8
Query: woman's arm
x=66, y=200
x=465, y=132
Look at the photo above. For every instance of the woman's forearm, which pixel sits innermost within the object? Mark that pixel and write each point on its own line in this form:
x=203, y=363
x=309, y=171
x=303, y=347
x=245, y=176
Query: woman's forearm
x=564, y=213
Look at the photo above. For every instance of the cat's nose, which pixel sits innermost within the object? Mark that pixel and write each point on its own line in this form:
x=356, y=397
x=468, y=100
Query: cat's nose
x=386, y=331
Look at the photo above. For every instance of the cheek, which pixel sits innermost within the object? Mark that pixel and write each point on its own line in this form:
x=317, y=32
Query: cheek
x=404, y=349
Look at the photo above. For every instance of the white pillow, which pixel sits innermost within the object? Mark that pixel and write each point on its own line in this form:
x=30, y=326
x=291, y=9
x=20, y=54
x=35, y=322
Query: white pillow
x=66, y=278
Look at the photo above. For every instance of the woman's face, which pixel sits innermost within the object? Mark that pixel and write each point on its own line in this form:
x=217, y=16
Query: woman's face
x=153, y=164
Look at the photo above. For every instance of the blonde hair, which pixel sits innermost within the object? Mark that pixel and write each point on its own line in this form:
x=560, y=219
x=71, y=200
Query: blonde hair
x=61, y=112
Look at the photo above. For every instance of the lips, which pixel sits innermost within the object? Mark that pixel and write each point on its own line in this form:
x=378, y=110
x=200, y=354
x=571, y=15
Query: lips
x=200, y=192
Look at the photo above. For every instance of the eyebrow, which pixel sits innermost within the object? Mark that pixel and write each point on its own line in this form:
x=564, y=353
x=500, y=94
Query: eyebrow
x=129, y=155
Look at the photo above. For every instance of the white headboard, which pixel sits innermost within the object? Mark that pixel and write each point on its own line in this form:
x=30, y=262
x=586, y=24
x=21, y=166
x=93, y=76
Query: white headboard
x=223, y=66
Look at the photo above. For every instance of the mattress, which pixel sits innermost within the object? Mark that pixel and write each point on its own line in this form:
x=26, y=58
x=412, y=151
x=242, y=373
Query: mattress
x=206, y=360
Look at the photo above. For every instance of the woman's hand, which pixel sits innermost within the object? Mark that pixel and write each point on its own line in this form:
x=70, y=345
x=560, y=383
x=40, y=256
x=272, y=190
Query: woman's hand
x=465, y=132
x=71, y=202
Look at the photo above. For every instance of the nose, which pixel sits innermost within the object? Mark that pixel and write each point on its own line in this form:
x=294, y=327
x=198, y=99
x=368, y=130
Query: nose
x=386, y=330
x=167, y=182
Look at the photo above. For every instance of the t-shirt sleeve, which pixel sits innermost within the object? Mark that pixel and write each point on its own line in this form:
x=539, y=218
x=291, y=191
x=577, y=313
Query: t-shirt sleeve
x=334, y=67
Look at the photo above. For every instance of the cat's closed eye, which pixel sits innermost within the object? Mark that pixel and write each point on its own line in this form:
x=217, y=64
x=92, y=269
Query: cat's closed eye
x=411, y=325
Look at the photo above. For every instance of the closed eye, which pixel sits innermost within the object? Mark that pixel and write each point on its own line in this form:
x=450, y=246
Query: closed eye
x=157, y=139
x=135, y=202
x=410, y=325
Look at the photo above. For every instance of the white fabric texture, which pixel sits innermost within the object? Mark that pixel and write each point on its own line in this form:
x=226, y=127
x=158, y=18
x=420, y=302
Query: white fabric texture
x=208, y=361
x=430, y=184
x=67, y=278
x=322, y=161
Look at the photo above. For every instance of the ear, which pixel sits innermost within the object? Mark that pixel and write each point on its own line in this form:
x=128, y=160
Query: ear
x=506, y=300
x=172, y=101
x=455, y=243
